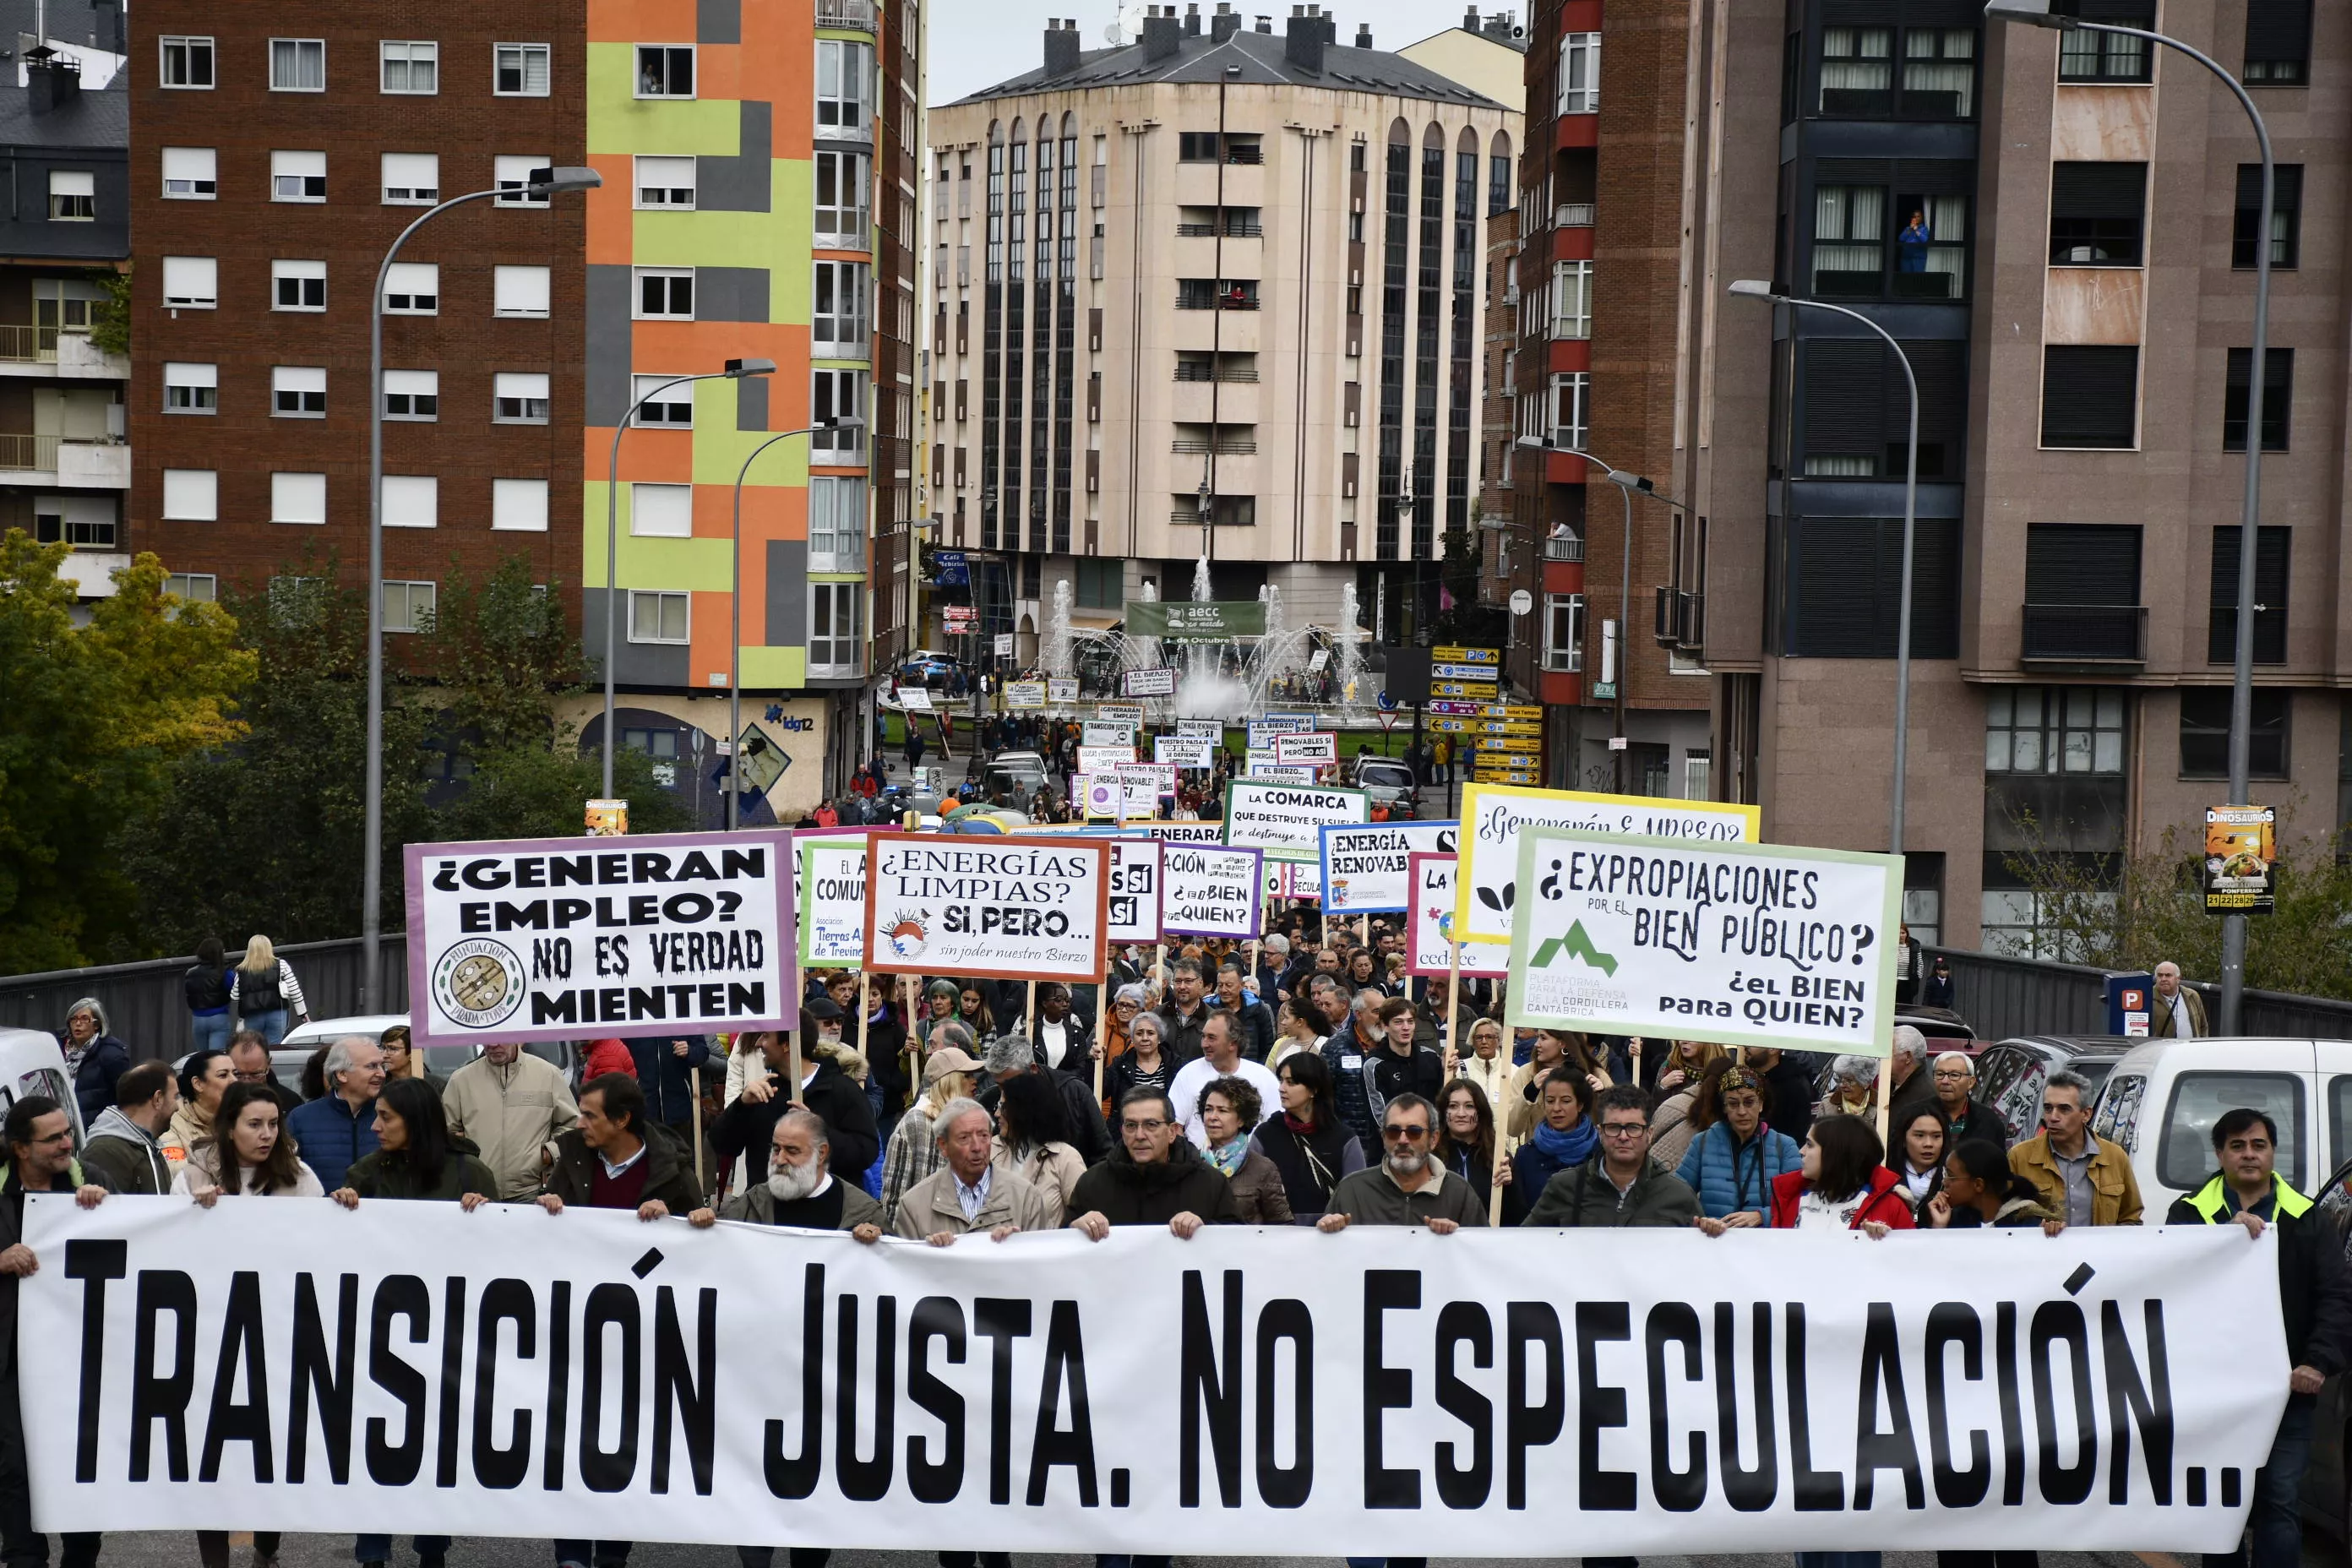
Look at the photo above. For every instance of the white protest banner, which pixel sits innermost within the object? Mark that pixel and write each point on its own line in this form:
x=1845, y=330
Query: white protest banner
x=1015, y=908
x=1154, y=680
x=1102, y=758
x=535, y=938
x=1551, y=1394
x=1128, y=713
x=1210, y=729
x=1024, y=696
x=1364, y=869
x=914, y=699
x=1187, y=832
x=1135, y=885
x=1211, y=891
x=1061, y=693
x=1099, y=733
x=1286, y=820
x=1318, y=747
x=1493, y=815
x=1744, y=945
x=1429, y=924
x=831, y=887
x=1301, y=880
x=1281, y=772
x=1185, y=751
x=1003, y=645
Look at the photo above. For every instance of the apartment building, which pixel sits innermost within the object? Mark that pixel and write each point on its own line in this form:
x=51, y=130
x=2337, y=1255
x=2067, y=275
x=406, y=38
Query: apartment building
x=2061, y=231
x=1605, y=213
x=741, y=146
x=65, y=128
x=1214, y=294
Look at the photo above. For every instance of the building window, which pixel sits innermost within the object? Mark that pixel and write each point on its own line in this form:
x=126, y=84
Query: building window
x=79, y=521
x=196, y=588
x=188, y=174
x=520, y=291
x=511, y=171
x=2097, y=214
x=298, y=498
x=1563, y=645
x=187, y=62
x=2278, y=398
x=191, y=495
x=1196, y=146
x=1848, y=241
x=2278, y=43
x=1858, y=72
x=412, y=394
x=297, y=65
x=413, y=288
x=518, y=506
x=833, y=644
x=1498, y=185
x=1939, y=73
x=1577, y=90
x=2090, y=397
x=412, y=179
x=843, y=73
x=297, y=176
x=297, y=391
x=191, y=282
x=664, y=182
x=836, y=524
x=2272, y=548
x=1570, y=391
x=665, y=293
x=297, y=285
x=408, y=606
x=412, y=501
x=2205, y=733
x=837, y=394
x=665, y=70
x=658, y=618
x=2107, y=57
x=2053, y=729
x=1101, y=584
x=841, y=197
x=1571, y=298
x=2287, y=215
x=520, y=71
x=664, y=402
x=191, y=388
x=1842, y=593
x=73, y=195
x=519, y=397
x=661, y=511
x=838, y=323
x=411, y=67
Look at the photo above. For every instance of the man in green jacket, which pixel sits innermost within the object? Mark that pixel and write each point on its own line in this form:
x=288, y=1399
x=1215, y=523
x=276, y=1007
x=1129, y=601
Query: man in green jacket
x=1409, y=1186
x=1624, y=1188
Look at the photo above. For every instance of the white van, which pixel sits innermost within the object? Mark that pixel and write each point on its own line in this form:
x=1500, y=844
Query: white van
x=32, y=1062
x=2162, y=1098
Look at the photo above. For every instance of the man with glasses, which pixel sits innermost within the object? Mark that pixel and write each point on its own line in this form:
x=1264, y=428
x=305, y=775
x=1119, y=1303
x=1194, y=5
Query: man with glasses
x=1409, y=1187
x=1623, y=1189
x=248, y=1056
x=1154, y=1176
x=2084, y=1179
x=1953, y=1077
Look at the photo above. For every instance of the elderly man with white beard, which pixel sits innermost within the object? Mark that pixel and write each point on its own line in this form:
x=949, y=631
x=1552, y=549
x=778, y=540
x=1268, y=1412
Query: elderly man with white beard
x=800, y=1190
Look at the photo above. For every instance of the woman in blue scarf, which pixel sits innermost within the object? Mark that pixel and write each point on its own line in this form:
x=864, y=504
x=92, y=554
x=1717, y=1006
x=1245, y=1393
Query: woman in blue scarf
x=1563, y=1138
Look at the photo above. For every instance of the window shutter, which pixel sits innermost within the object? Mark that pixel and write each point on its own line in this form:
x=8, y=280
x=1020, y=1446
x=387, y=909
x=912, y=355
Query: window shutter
x=1835, y=568
x=2278, y=29
x=2270, y=553
x=2098, y=190
x=1844, y=412
x=2082, y=563
x=2286, y=188
x=2089, y=396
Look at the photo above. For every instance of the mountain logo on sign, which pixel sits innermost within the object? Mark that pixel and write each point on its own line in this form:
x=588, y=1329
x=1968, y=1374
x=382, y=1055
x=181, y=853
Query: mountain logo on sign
x=908, y=935
x=1575, y=944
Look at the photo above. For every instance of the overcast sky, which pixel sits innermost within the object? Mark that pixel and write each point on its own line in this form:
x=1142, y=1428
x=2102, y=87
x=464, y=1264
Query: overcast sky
x=978, y=43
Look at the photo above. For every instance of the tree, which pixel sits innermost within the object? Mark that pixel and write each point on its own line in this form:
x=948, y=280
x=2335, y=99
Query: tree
x=95, y=717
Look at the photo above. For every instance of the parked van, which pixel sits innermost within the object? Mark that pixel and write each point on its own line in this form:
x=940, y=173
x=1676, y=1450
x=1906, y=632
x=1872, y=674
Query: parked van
x=2163, y=1097
x=32, y=1062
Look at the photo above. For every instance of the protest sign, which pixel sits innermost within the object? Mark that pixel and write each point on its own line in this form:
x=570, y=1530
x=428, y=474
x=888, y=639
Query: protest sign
x=1319, y=747
x=830, y=890
x=1265, y=727
x=1281, y=772
x=1061, y=693
x=1365, y=869
x=1185, y=750
x=1135, y=888
x=1024, y=696
x=1429, y=924
x=1210, y=729
x=914, y=699
x=1493, y=815
x=1296, y=880
x=1102, y=758
x=1153, y=680
x=1105, y=733
x=1145, y=783
x=1015, y=908
x=1129, y=714
x=1211, y=891
x=1187, y=832
x=534, y=939
x=1099, y=794
x=1538, y=1393
x=1286, y=820
x=1744, y=945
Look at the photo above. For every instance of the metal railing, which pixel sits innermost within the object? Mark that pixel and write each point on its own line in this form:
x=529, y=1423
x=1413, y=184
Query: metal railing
x=1232, y=446
x=1185, y=372
x=2001, y=995
x=28, y=345
x=1235, y=229
x=35, y=454
x=1569, y=549
x=855, y=14
x=2085, y=634
x=1573, y=214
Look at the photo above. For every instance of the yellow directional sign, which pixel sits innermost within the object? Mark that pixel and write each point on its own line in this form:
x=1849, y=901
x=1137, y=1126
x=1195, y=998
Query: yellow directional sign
x=1508, y=744
x=1448, y=653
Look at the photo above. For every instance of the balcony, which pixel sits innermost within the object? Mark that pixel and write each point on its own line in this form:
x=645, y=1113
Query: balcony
x=1571, y=548
x=1191, y=370
x=28, y=345
x=27, y=454
x=2079, y=634
x=92, y=465
x=1573, y=214
x=856, y=15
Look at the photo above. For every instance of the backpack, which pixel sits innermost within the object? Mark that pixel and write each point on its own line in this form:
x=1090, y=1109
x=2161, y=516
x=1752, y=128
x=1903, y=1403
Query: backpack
x=257, y=992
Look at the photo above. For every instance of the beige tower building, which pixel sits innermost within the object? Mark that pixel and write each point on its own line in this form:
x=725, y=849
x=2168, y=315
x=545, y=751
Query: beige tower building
x=1215, y=294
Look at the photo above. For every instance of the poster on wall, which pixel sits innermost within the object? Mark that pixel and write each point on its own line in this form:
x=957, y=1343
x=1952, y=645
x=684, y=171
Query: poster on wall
x=2240, y=852
x=1013, y=908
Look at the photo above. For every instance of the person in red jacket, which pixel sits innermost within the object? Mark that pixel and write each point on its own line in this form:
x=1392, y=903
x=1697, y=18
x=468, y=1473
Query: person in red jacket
x=1840, y=1183
x=609, y=1056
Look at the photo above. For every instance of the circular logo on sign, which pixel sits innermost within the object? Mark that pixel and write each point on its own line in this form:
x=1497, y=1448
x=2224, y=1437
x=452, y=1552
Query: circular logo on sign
x=908, y=935
x=478, y=983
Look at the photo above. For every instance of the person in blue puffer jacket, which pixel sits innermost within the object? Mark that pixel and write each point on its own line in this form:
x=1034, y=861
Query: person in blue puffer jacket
x=1732, y=1164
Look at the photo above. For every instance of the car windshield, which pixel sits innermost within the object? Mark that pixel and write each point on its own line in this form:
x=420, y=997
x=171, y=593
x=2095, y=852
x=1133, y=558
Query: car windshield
x=1390, y=774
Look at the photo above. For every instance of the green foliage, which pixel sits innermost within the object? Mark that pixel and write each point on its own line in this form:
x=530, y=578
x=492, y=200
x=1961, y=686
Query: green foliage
x=109, y=321
x=97, y=712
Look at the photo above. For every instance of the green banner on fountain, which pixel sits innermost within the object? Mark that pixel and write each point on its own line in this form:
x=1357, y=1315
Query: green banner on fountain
x=1195, y=620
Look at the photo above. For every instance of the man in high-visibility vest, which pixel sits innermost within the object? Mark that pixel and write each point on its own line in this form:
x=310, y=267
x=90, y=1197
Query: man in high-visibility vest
x=2315, y=1295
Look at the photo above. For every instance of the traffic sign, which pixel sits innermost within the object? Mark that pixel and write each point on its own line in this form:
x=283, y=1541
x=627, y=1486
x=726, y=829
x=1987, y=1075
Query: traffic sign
x=1462, y=672
x=1447, y=654
x=1508, y=744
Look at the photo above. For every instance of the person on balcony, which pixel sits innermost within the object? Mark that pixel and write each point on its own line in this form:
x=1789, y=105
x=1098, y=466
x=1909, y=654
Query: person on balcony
x=1912, y=253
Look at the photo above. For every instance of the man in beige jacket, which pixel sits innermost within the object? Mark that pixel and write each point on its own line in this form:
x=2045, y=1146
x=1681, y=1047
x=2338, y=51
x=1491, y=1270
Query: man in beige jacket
x=513, y=1106
x=967, y=1193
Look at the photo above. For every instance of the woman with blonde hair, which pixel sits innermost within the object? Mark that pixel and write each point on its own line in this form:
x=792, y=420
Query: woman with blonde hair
x=1684, y=1061
x=913, y=1153
x=1554, y=1049
x=263, y=990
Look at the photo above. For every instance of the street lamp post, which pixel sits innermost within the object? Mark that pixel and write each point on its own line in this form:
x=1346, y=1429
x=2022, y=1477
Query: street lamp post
x=737, y=369
x=735, y=618
x=540, y=182
x=2036, y=14
x=1756, y=288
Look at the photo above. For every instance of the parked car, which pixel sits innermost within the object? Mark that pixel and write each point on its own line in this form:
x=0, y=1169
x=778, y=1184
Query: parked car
x=290, y=1056
x=2010, y=1075
x=926, y=666
x=2162, y=1097
x=32, y=1062
x=1946, y=1030
x=1021, y=770
x=1388, y=781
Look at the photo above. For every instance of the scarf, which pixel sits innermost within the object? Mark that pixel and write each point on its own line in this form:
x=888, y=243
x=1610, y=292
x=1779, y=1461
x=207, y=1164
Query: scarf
x=1572, y=1147
x=1228, y=1157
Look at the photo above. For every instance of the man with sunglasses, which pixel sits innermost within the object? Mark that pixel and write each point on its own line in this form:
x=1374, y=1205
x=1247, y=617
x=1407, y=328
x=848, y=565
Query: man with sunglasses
x=1409, y=1186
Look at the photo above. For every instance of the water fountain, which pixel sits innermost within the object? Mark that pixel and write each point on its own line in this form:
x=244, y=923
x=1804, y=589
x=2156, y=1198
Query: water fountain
x=1060, y=661
x=1351, y=649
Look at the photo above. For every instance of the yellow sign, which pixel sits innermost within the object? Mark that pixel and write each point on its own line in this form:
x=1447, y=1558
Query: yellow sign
x=1444, y=654
x=1508, y=744
x=608, y=818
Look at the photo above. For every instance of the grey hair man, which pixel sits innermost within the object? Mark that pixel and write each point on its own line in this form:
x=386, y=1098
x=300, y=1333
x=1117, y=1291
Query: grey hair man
x=335, y=1132
x=2175, y=1011
x=1953, y=1081
x=801, y=1191
x=2082, y=1177
x=968, y=1193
